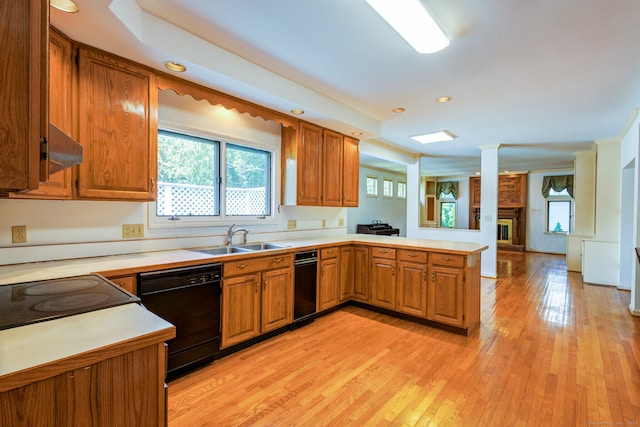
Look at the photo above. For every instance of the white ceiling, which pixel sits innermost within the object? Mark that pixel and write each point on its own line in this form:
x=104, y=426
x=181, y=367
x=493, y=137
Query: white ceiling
x=542, y=78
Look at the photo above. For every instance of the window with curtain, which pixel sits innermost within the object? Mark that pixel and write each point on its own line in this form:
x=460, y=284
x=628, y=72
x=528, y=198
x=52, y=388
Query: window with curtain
x=558, y=190
x=447, y=188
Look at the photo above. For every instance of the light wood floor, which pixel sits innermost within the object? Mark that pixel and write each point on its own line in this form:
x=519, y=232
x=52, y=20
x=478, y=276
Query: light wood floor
x=549, y=352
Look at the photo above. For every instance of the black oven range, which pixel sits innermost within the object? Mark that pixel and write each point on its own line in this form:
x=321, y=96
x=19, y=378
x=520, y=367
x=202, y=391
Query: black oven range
x=30, y=302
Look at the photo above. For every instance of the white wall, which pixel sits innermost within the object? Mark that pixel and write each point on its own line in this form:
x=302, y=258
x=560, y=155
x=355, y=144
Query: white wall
x=538, y=240
x=630, y=217
x=488, y=215
x=392, y=211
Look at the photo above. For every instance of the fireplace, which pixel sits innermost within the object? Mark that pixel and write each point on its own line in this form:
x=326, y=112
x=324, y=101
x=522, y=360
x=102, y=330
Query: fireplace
x=505, y=231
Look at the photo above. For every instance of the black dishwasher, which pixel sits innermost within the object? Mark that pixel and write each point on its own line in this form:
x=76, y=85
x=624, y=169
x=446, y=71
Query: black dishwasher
x=189, y=298
x=306, y=270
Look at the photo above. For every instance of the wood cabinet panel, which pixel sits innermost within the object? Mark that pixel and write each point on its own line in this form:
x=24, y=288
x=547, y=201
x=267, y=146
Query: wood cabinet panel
x=332, y=168
x=328, y=283
x=347, y=273
x=309, y=174
x=388, y=253
x=277, y=299
x=412, y=256
x=383, y=282
x=361, y=288
x=412, y=288
x=58, y=186
x=128, y=283
x=118, y=129
x=24, y=27
x=122, y=390
x=240, y=309
x=446, y=296
x=351, y=172
x=244, y=266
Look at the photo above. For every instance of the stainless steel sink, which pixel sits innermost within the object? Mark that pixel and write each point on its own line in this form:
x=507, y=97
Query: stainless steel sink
x=261, y=246
x=223, y=250
x=251, y=247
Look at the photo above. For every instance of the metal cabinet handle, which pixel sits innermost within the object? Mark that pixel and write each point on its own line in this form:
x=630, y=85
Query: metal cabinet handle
x=153, y=185
x=383, y=251
x=447, y=258
x=257, y=287
x=433, y=276
x=277, y=260
x=424, y=276
x=330, y=251
x=412, y=254
x=241, y=266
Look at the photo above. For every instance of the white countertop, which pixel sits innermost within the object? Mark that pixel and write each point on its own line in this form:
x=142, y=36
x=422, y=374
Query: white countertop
x=17, y=273
x=40, y=343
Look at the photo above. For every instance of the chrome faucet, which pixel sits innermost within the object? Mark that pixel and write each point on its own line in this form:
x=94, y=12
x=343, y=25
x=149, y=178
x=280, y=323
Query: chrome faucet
x=231, y=232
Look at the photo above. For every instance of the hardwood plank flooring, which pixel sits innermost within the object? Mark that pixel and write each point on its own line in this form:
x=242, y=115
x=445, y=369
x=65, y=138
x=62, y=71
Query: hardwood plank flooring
x=550, y=351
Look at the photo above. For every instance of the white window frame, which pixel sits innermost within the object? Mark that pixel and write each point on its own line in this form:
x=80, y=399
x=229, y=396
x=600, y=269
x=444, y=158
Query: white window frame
x=222, y=219
x=401, y=195
x=366, y=186
x=387, y=184
x=558, y=198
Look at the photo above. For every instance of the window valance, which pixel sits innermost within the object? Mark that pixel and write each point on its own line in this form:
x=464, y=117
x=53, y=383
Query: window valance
x=557, y=183
x=447, y=187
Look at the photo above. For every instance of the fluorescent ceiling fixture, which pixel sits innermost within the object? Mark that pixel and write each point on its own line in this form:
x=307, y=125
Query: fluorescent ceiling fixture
x=65, y=5
x=412, y=21
x=443, y=135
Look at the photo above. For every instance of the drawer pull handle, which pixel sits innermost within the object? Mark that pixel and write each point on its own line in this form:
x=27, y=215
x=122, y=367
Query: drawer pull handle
x=383, y=251
x=447, y=258
x=413, y=254
x=277, y=260
x=241, y=266
x=330, y=251
x=433, y=276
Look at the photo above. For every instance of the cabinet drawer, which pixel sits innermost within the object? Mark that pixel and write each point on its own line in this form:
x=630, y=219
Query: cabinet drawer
x=410, y=255
x=128, y=283
x=329, y=253
x=447, y=259
x=383, y=253
x=232, y=268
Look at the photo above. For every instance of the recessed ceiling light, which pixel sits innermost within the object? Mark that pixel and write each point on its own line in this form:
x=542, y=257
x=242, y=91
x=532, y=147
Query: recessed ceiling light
x=357, y=133
x=297, y=111
x=398, y=110
x=443, y=99
x=174, y=66
x=443, y=135
x=477, y=173
x=412, y=21
x=65, y=5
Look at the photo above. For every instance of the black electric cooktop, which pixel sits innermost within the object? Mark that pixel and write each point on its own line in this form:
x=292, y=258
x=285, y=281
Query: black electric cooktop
x=31, y=302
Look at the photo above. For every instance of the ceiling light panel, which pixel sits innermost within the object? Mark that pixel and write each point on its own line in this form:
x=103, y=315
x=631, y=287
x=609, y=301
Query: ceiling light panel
x=412, y=21
x=443, y=135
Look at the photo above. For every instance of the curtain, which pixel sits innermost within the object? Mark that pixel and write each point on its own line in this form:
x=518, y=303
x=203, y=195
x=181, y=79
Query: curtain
x=558, y=183
x=449, y=187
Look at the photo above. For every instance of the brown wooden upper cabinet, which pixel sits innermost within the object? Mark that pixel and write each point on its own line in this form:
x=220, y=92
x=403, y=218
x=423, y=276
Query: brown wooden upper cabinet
x=60, y=114
x=117, y=128
x=320, y=167
x=24, y=117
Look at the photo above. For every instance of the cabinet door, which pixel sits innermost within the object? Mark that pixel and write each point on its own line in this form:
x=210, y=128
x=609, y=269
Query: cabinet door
x=346, y=273
x=277, y=299
x=118, y=130
x=446, y=298
x=412, y=288
x=23, y=104
x=332, y=170
x=309, y=164
x=240, y=308
x=351, y=171
x=361, y=273
x=383, y=282
x=328, y=283
x=58, y=186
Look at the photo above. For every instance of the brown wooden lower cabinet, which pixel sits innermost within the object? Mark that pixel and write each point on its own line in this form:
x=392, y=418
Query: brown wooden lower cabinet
x=328, y=279
x=126, y=390
x=257, y=297
x=361, y=288
x=446, y=298
x=383, y=277
x=412, y=288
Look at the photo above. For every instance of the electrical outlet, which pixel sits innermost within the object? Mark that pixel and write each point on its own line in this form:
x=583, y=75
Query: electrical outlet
x=341, y=222
x=19, y=234
x=292, y=224
x=132, y=230
x=324, y=223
